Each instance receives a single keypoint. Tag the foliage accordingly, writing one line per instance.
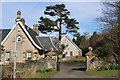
(101, 51)
(46, 25)
(84, 42)
(111, 30)
(60, 14)
(77, 40)
(94, 39)
(115, 67)
(102, 68)
(84, 51)
(102, 48)
(109, 67)
(44, 70)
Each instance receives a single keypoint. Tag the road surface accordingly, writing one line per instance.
(72, 70)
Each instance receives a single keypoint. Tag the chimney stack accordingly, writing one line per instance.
(35, 27)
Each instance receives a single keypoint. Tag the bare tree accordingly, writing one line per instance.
(111, 31)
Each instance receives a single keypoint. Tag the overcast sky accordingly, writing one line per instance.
(85, 12)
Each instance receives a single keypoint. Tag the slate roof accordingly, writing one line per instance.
(33, 34)
(47, 43)
(41, 41)
(3, 33)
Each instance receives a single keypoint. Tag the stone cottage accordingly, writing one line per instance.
(24, 43)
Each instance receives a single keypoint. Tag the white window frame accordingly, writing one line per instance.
(7, 56)
(19, 39)
(29, 55)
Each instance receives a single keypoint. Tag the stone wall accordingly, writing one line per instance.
(28, 66)
(97, 62)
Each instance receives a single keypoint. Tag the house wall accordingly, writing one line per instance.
(22, 47)
(70, 48)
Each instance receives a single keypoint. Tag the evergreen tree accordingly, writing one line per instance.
(61, 19)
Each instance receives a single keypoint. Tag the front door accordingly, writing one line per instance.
(78, 53)
(71, 53)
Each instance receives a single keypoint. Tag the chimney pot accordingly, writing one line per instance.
(18, 14)
(35, 27)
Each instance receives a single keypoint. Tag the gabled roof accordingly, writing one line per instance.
(29, 33)
(47, 43)
(71, 42)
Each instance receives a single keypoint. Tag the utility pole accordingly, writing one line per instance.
(14, 71)
(15, 53)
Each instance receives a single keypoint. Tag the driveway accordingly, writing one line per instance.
(72, 70)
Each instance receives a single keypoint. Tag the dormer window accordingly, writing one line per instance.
(19, 39)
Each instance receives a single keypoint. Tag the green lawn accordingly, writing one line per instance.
(46, 74)
(106, 73)
(82, 59)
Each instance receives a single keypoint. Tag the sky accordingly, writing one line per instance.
(85, 12)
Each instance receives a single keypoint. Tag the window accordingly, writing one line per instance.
(19, 39)
(7, 56)
(29, 55)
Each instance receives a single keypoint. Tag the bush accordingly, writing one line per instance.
(48, 70)
(109, 67)
(114, 67)
(44, 70)
(102, 68)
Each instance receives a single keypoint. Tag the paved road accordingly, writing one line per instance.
(72, 70)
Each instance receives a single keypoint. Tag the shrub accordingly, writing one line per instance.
(44, 70)
(48, 70)
(102, 68)
(114, 67)
(109, 67)
(40, 70)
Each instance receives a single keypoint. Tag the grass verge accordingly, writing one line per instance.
(106, 73)
(79, 59)
(46, 74)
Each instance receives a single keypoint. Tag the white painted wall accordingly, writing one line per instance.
(71, 47)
